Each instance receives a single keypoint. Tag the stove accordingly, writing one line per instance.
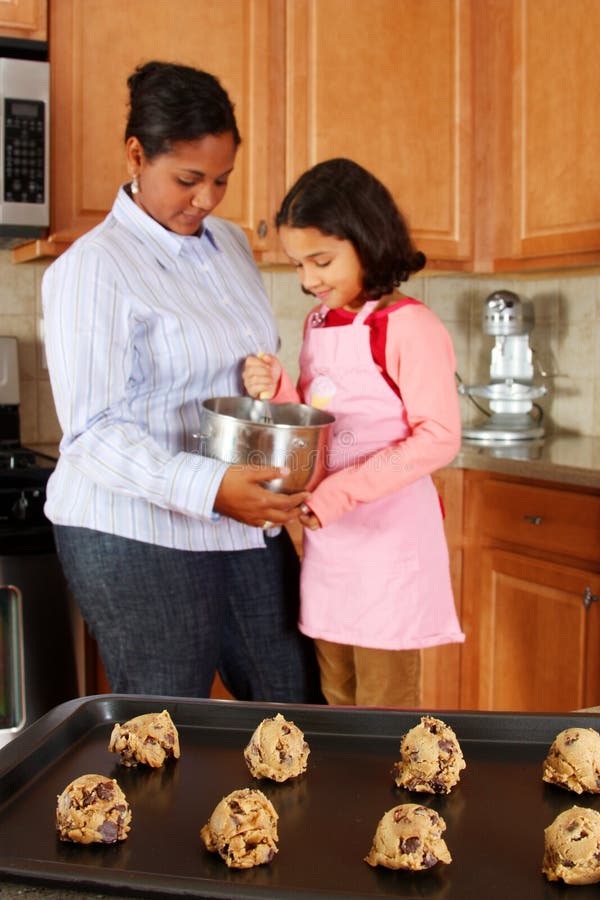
(23, 478)
(37, 650)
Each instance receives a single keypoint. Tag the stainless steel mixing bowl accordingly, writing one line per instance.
(234, 430)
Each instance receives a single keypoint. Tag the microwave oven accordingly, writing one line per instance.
(24, 150)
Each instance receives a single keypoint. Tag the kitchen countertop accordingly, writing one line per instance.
(561, 458)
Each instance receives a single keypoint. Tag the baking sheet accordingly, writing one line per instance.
(495, 816)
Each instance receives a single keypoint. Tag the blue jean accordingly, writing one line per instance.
(165, 620)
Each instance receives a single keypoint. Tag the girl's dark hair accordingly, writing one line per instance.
(170, 102)
(342, 199)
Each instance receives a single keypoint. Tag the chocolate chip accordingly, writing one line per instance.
(87, 797)
(446, 745)
(105, 790)
(400, 816)
(410, 845)
(109, 832)
(429, 860)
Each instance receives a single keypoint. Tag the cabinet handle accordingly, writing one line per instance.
(262, 229)
(589, 598)
(535, 520)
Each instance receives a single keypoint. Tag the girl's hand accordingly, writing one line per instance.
(261, 374)
(308, 518)
(241, 496)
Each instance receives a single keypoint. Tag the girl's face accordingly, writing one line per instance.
(180, 188)
(327, 266)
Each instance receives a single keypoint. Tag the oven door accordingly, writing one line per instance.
(12, 670)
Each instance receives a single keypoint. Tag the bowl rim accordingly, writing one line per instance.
(328, 417)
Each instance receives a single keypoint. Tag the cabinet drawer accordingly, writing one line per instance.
(563, 522)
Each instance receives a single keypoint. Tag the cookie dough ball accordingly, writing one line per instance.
(409, 837)
(430, 758)
(572, 847)
(92, 809)
(242, 829)
(277, 750)
(573, 761)
(149, 739)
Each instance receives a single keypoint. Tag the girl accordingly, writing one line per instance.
(375, 582)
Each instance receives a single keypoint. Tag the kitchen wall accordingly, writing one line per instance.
(566, 337)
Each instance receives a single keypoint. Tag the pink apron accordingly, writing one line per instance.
(379, 575)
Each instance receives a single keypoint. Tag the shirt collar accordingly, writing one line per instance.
(166, 245)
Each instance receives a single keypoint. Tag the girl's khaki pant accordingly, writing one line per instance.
(360, 676)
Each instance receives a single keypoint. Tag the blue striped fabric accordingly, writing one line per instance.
(141, 326)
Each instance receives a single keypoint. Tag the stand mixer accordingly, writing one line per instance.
(511, 392)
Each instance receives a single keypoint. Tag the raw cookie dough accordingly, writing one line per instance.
(409, 837)
(92, 809)
(149, 739)
(430, 758)
(573, 761)
(277, 750)
(242, 829)
(572, 847)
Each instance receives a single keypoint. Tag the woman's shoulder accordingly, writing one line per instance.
(228, 232)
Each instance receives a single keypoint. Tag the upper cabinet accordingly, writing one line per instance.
(481, 116)
(25, 19)
(96, 44)
(537, 133)
(389, 84)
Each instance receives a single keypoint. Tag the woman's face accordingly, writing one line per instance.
(328, 267)
(180, 188)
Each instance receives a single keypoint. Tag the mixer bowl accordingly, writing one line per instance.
(233, 430)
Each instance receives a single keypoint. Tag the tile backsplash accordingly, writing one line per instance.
(565, 338)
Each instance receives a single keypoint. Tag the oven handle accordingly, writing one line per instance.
(11, 614)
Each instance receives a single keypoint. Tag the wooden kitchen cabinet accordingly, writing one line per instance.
(531, 592)
(96, 44)
(389, 85)
(25, 19)
(537, 134)
(480, 115)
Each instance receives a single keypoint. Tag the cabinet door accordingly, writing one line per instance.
(389, 85)
(548, 193)
(533, 643)
(26, 19)
(96, 44)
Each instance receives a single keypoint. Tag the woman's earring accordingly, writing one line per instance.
(135, 188)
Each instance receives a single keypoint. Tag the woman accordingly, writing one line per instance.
(146, 316)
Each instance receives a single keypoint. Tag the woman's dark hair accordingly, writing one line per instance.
(342, 199)
(170, 102)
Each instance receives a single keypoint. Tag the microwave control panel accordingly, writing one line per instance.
(24, 153)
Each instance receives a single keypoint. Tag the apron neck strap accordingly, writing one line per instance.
(365, 310)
